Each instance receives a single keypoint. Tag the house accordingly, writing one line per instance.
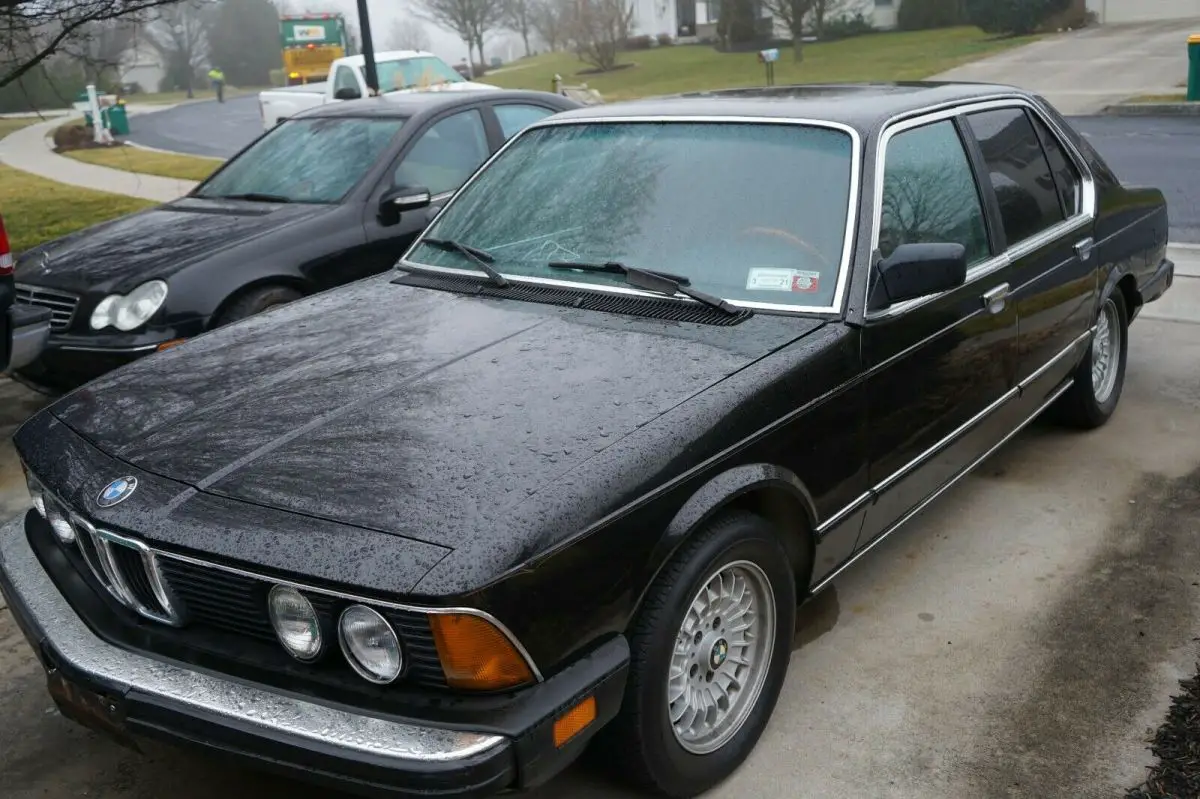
(698, 17)
(141, 64)
(1106, 11)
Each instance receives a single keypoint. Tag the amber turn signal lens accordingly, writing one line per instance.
(166, 345)
(475, 655)
(575, 721)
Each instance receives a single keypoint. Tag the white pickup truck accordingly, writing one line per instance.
(398, 71)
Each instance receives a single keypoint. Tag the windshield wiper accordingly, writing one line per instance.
(652, 280)
(481, 258)
(253, 196)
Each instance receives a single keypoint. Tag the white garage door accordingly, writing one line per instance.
(1146, 10)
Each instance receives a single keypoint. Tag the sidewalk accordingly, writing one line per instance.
(29, 150)
(1181, 303)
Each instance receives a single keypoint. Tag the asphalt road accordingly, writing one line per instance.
(203, 128)
(1153, 152)
(1017, 640)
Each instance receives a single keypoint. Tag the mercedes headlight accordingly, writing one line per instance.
(130, 311)
(37, 494)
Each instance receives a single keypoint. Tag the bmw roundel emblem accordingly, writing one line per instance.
(116, 491)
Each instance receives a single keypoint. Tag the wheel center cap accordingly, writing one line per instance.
(718, 654)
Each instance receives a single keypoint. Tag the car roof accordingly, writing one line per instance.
(863, 106)
(409, 104)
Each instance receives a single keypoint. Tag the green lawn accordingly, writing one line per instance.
(668, 70)
(148, 162)
(37, 210)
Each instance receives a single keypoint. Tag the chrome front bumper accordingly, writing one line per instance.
(32, 594)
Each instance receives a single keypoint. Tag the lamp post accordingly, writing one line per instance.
(368, 48)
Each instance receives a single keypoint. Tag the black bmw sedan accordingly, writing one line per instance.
(314, 203)
(656, 374)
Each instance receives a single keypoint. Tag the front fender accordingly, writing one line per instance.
(722, 490)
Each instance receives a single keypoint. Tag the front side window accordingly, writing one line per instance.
(1019, 172)
(929, 193)
(305, 160)
(445, 155)
(746, 211)
(420, 72)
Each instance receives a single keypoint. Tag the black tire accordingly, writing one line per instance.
(256, 301)
(1080, 407)
(642, 739)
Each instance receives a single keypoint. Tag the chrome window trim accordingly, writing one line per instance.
(848, 241)
(904, 123)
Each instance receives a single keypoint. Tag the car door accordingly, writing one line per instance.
(439, 157)
(1046, 220)
(940, 370)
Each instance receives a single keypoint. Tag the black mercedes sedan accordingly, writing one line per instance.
(659, 372)
(317, 202)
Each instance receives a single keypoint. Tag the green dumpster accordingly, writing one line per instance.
(117, 119)
(1193, 91)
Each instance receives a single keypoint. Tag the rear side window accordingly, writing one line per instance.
(1070, 184)
(1018, 171)
(929, 193)
(515, 117)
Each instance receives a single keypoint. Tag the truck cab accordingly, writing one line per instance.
(398, 71)
(24, 329)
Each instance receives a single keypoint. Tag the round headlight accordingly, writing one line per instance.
(295, 622)
(370, 644)
(63, 529)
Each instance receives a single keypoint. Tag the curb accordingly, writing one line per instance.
(148, 148)
(1153, 110)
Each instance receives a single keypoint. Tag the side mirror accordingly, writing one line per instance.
(405, 198)
(919, 270)
(347, 93)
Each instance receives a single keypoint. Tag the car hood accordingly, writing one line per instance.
(117, 256)
(415, 412)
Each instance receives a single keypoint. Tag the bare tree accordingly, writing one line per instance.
(180, 34)
(472, 20)
(101, 46)
(408, 34)
(518, 18)
(33, 30)
(549, 21)
(598, 28)
(792, 13)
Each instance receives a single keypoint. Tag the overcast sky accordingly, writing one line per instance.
(384, 12)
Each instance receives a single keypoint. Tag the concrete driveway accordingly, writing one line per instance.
(1084, 71)
(1016, 640)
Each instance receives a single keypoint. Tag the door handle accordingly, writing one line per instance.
(1084, 248)
(996, 299)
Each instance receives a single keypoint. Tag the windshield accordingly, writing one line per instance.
(414, 73)
(747, 211)
(306, 160)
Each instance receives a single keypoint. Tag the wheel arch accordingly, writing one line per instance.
(767, 490)
(1125, 283)
(288, 281)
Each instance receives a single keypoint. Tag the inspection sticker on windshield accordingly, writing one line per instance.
(783, 280)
